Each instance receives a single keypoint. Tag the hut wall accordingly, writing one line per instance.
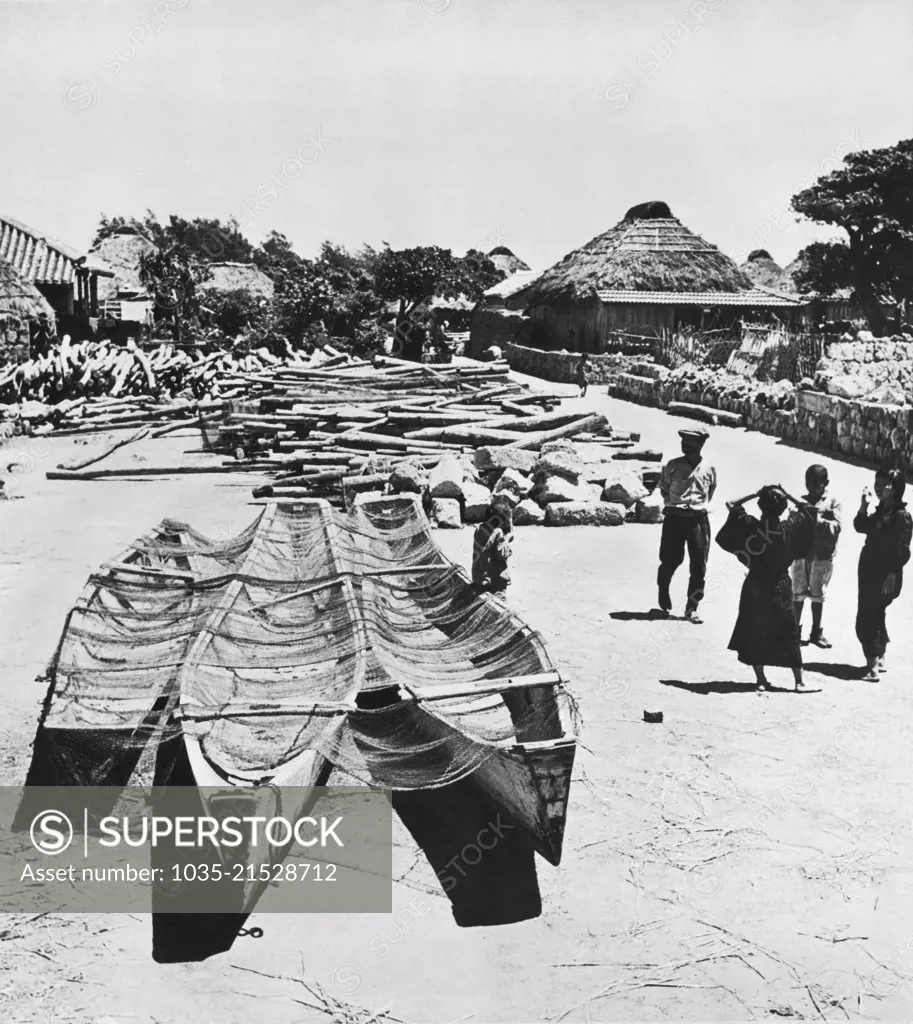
(594, 324)
(14, 339)
(496, 326)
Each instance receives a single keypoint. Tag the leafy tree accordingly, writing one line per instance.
(232, 313)
(172, 274)
(210, 240)
(825, 268)
(871, 199)
(412, 277)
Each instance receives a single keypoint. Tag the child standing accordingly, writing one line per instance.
(583, 375)
(812, 574)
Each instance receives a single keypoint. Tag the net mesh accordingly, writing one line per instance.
(313, 633)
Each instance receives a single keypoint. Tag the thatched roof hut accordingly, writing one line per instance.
(238, 277)
(647, 274)
(122, 252)
(648, 250)
(19, 297)
(506, 261)
(765, 272)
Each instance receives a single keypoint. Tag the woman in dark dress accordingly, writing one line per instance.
(886, 551)
(766, 631)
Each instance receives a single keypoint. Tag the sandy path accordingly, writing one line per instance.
(750, 855)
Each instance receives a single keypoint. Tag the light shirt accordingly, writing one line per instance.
(687, 488)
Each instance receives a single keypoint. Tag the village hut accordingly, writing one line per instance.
(506, 261)
(499, 317)
(238, 277)
(647, 275)
(765, 272)
(124, 296)
(21, 308)
(67, 278)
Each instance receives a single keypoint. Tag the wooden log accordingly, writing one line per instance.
(706, 414)
(73, 466)
(103, 474)
(640, 454)
(585, 423)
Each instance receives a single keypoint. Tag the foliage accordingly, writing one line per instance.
(871, 199)
(825, 268)
(172, 275)
(232, 313)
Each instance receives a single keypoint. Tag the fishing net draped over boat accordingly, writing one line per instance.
(312, 633)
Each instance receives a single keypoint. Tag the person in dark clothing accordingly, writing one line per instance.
(491, 548)
(583, 375)
(766, 631)
(888, 529)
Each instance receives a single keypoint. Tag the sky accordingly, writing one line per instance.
(462, 123)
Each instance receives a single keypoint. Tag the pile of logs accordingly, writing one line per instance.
(100, 368)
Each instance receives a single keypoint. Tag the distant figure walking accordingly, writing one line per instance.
(766, 631)
(583, 375)
(888, 529)
(812, 575)
(687, 485)
(491, 548)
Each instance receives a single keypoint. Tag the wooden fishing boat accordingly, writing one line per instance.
(314, 642)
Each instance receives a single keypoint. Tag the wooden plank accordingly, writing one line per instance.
(482, 686)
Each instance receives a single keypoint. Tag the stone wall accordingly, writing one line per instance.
(871, 431)
(876, 371)
(561, 367)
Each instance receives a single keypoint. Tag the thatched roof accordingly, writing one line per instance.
(238, 277)
(506, 261)
(765, 272)
(122, 253)
(649, 250)
(19, 297)
(510, 286)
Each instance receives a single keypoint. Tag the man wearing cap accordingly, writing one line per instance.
(687, 485)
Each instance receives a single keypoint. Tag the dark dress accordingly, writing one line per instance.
(766, 631)
(886, 550)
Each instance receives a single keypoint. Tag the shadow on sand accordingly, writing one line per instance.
(705, 688)
(824, 668)
(651, 616)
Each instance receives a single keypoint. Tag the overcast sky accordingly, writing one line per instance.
(536, 123)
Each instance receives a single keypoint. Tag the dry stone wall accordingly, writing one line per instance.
(561, 367)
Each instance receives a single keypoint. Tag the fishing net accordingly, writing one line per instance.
(312, 635)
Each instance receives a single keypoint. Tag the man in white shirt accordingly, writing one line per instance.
(687, 485)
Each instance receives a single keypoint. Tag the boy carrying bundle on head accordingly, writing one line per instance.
(811, 575)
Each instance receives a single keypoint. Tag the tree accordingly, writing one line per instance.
(172, 274)
(825, 268)
(871, 199)
(412, 277)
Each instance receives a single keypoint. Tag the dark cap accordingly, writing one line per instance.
(698, 434)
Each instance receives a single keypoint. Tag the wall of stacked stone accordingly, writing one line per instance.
(878, 370)
(874, 432)
(561, 367)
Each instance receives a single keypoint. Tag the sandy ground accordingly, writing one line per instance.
(751, 856)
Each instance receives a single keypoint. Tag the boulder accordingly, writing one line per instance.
(446, 513)
(446, 479)
(559, 488)
(561, 463)
(514, 484)
(487, 459)
(408, 477)
(847, 386)
(624, 485)
(528, 513)
(584, 513)
(650, 509)
(476, 502)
